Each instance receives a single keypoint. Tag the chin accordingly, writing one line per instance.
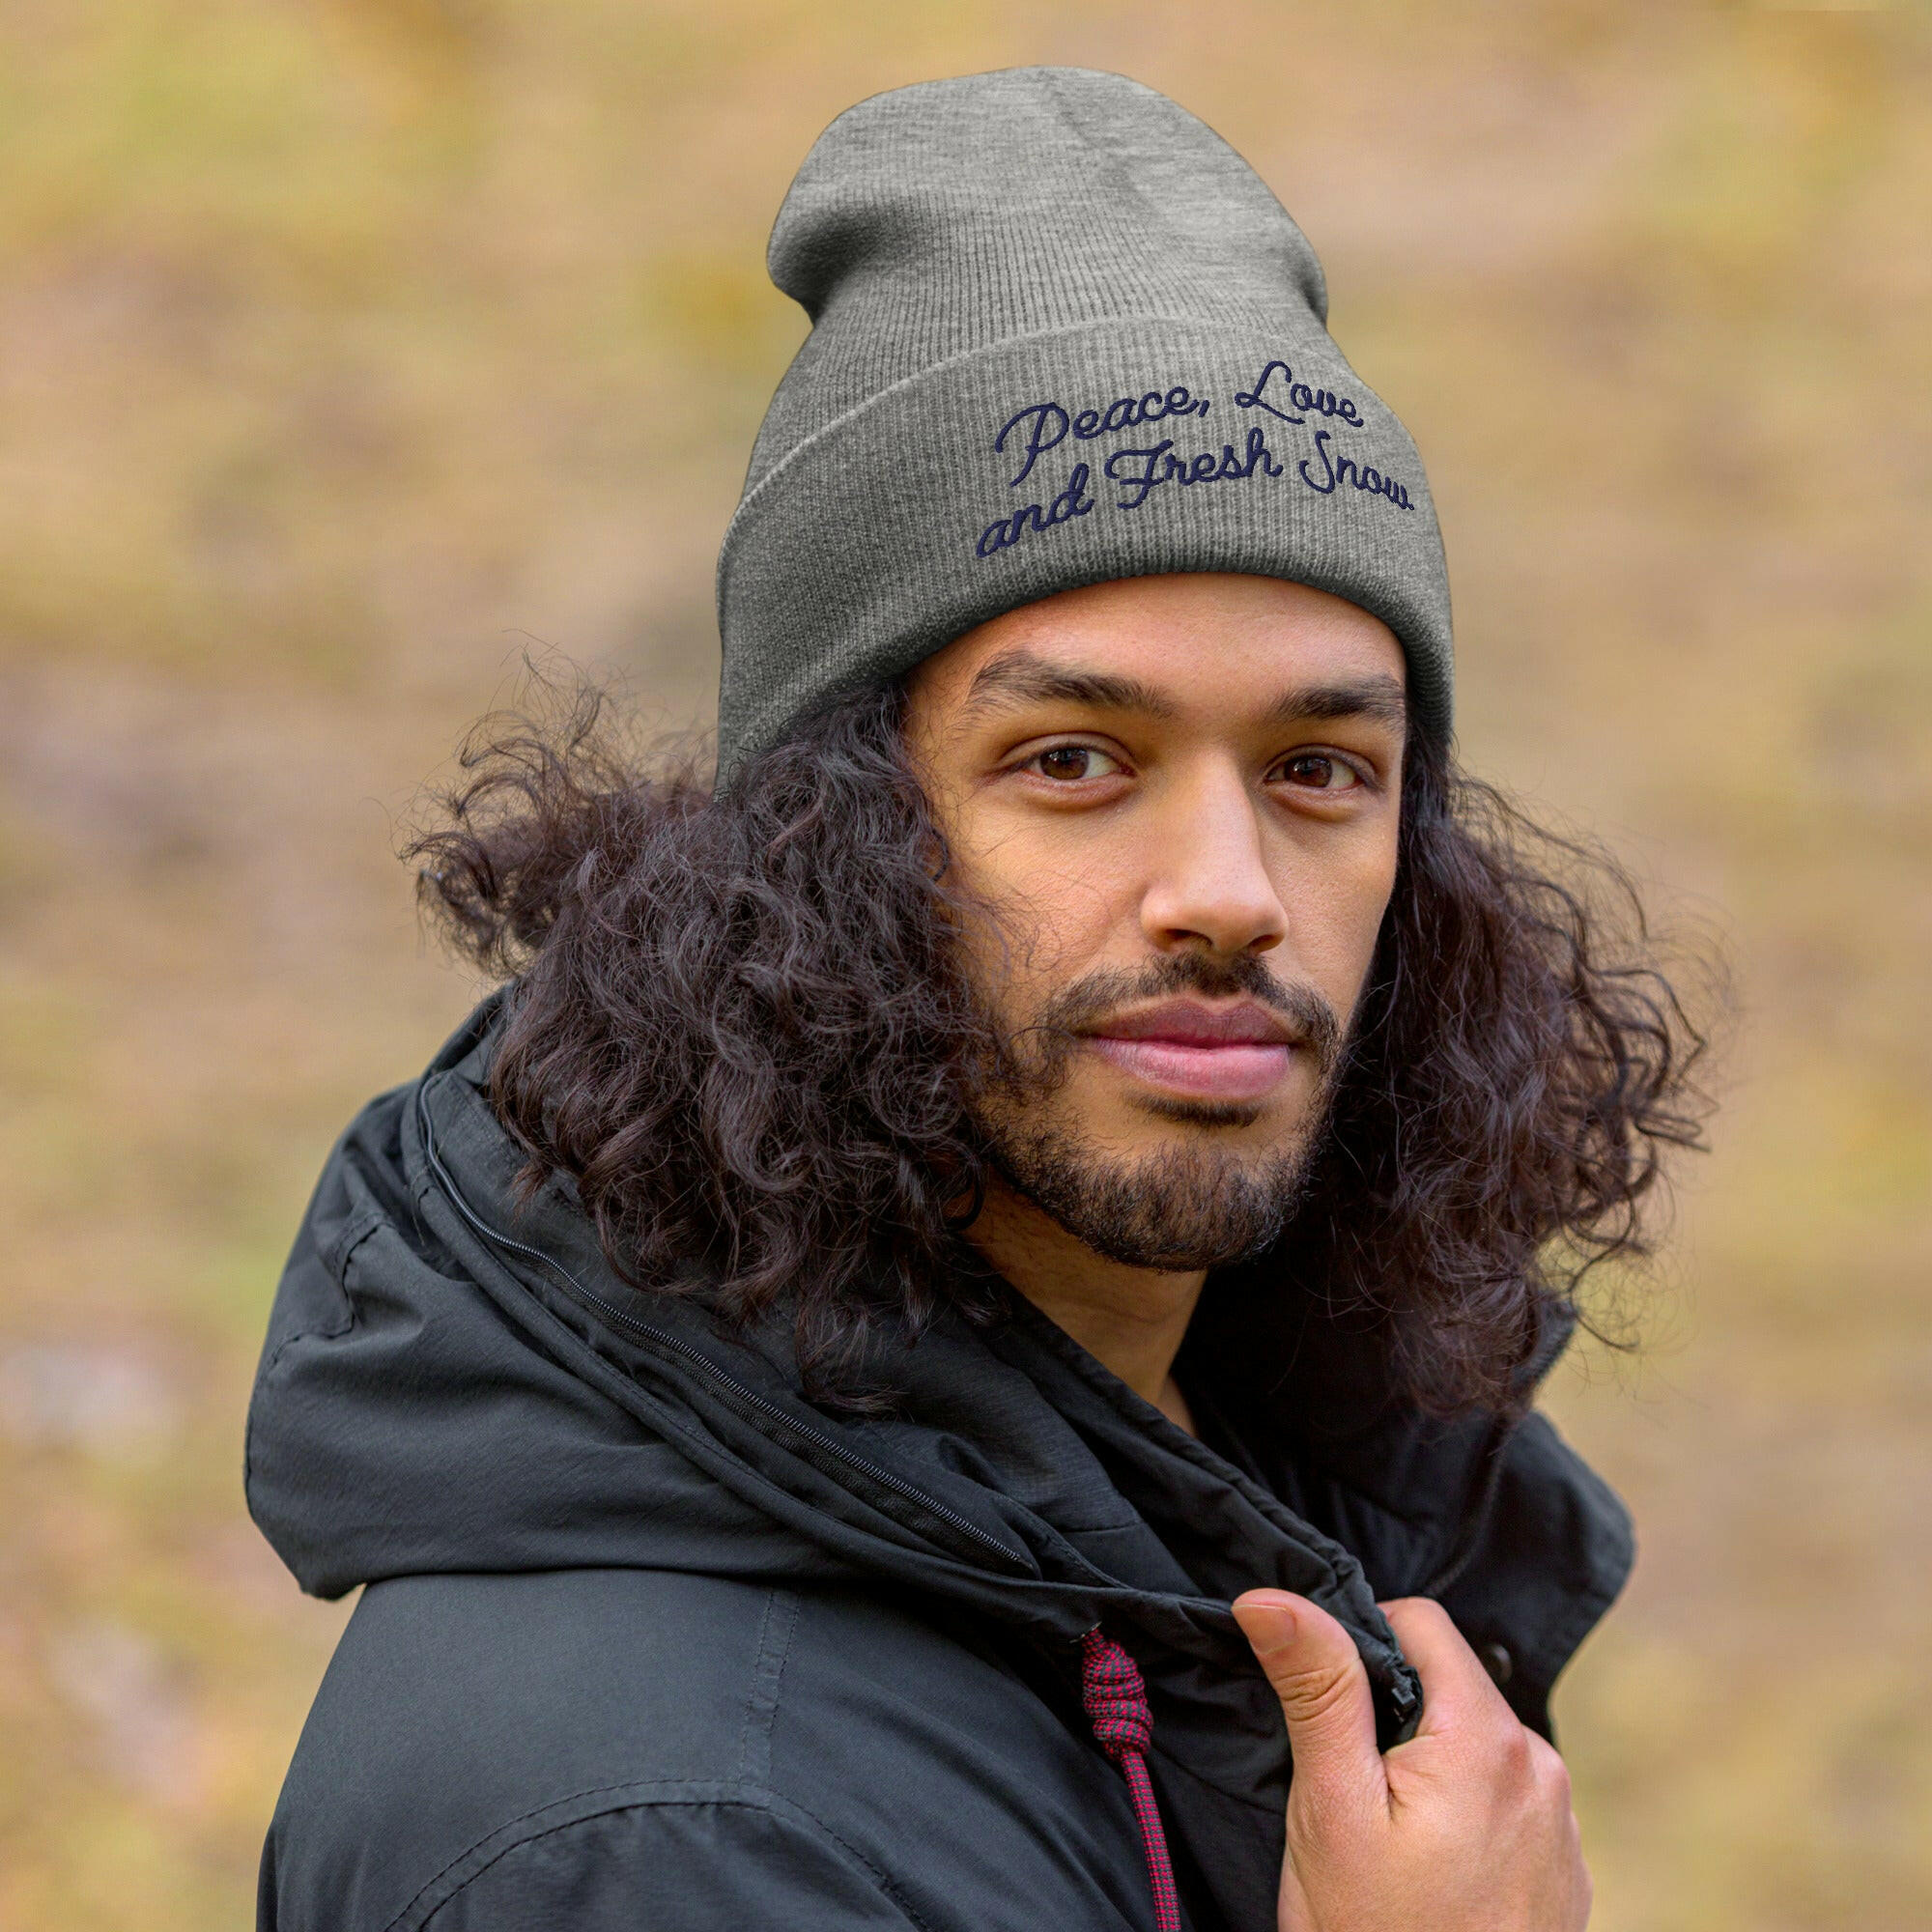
(1180, 1198)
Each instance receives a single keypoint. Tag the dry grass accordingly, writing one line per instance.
(347, 346)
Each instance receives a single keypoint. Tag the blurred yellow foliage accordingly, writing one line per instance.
(349, 347)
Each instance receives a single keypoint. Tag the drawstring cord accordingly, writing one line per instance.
(1117, 1707)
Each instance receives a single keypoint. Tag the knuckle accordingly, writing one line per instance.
(1547, 1767)
(1415, 1611)
(1310, 1695)
(1514, 1756)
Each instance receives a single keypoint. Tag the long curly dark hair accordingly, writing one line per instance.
(739, 1027)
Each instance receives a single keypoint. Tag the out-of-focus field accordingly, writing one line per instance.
(348, 349)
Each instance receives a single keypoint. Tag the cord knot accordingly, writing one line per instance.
(1114, 1696)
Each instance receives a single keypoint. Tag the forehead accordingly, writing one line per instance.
(1200, 641)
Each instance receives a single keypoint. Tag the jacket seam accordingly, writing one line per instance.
(335, 1259)
(430, 1884)
(761, 1704)
(335, 1263)
(354, 1232)
(735, 1795)
(778, 1806)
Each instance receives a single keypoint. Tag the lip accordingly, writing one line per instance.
(1220, 1052)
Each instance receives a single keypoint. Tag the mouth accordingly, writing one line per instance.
(1241, 1052)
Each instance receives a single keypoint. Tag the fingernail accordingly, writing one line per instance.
(1273, 1610)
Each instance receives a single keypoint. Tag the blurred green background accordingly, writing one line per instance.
(351, 348)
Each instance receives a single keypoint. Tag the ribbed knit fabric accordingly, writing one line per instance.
(1062, 333)
(1116, 1708)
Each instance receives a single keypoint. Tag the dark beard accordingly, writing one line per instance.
(1189, 1207)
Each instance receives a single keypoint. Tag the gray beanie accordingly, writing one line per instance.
(1062, 333)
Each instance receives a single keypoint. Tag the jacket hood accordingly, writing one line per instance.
(453, 1383)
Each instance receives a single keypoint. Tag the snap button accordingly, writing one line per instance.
(1497, 1662)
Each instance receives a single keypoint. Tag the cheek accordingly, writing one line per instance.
(1335, 917)
(1055, 913)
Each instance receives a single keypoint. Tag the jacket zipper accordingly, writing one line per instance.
(664, 1339)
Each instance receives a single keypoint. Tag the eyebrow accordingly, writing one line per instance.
(1380, 696)
(1019, 678)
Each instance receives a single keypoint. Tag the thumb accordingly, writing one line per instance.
(1312, 1663)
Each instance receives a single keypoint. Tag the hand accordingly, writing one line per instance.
(1467, 1827)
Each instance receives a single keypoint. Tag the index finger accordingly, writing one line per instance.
(1456, 1689)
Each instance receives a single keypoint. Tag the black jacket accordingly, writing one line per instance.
(648, 1640)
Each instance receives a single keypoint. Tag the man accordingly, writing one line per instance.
(880, 1379)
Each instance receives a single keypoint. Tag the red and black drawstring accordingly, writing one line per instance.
(1117, 1707)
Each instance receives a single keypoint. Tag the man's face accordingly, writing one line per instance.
(1178, 796)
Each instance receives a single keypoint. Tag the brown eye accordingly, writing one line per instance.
(1069, 763)
(1315, 771)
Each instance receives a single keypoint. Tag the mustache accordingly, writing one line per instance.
(1075, 1008)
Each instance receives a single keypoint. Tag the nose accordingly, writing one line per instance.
(1207, 881)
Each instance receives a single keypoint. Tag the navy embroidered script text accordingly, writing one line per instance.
(1345, 469)
(1297, 396)
(1040, 427)
(1048, 423)
(1159, 465)
(1072, 502)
